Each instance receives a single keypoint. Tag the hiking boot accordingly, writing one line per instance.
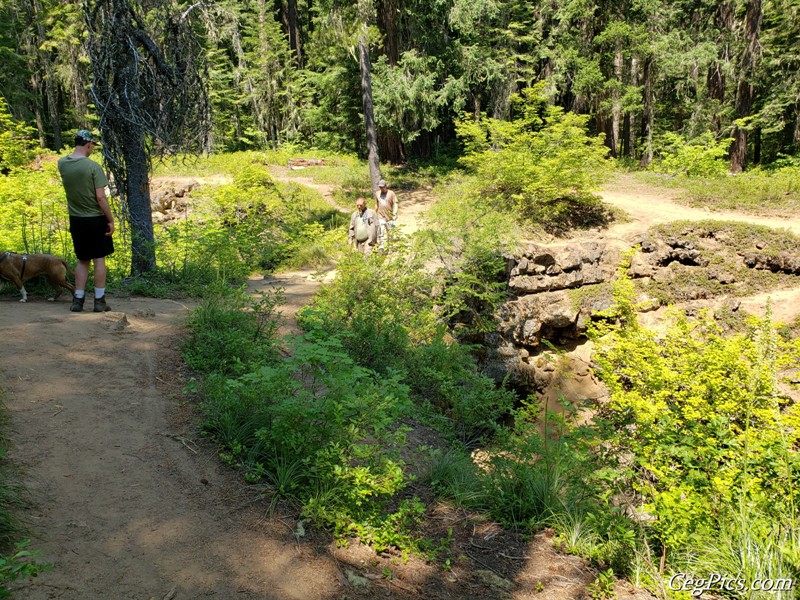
(100, 305)
(77, 304)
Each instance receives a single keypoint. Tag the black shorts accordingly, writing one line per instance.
(89, 237)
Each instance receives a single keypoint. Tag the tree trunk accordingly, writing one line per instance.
(369, 117)
(391, 149)
(294, 31)
(137, 191)
(388, 10)
(616, 113)
(744, 89)
(48, 80)
(715, 80)
(648, 113)
(628, 129)
(757, 146)
(37, 109)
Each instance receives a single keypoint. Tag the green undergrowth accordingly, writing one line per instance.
(701, 436)
(690, 467)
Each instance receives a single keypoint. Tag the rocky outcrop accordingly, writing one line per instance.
(656, 254)
(543, 269)
(545, 309)
(782, 263)
(169, 199)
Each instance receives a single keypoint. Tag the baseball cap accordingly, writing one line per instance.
(382, 183)
(87, 136)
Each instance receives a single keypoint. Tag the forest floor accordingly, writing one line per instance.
(131, 503)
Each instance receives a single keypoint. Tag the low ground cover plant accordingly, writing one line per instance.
(17, 560)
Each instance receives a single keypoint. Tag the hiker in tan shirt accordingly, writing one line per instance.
(363, 232)
(386, 207)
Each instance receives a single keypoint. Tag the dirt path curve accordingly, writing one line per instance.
(647, 206)
(128, 506)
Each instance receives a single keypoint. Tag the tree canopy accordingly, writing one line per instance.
(288, 70)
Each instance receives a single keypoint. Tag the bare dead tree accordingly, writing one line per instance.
(365, 10)
(149, 90)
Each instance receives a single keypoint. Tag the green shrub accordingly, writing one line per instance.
(17, 145)
(378, 307)
(533, 478)
(467, 242)
(696, 423)
(704, 156)
(324, 431)
(232, 334)
(542, 165)
(445, 375)
(33, 212)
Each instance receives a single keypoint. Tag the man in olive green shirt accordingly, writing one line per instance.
(90, 220)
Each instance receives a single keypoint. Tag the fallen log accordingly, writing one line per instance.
(301, 163)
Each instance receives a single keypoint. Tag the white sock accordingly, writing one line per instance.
(79, 294)
(99, 292)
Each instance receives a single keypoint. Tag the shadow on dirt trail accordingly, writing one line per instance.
(130, 504)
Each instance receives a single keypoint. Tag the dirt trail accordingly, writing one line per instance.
(647, 206)
(128, 506)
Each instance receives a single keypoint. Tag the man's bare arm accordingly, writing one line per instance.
(102, 202)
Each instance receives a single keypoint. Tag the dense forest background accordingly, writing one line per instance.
(281, 71)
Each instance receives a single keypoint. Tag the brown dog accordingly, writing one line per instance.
(19, 268)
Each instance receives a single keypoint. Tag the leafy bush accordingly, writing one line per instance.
(704, 156)
(542, 165)
(33, 213)
(377, 307)
(233, 333)
(446, 376)
(17, 145)
(696, 424)
(467, 242)
(321, 430)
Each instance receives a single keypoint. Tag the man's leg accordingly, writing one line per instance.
(100, 273)
(381, 233)
(81, 277)
(100, 285)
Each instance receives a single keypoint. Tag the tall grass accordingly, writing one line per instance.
(758, 192)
